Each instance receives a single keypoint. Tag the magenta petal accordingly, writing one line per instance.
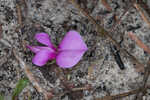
(36, 49)
(44, 39)
(43, 56)
(33, 48)
(67, 59)
(72, 41)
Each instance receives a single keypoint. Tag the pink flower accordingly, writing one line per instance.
(68, 53)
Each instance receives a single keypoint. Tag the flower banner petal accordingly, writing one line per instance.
(72, 41)
(67, 59)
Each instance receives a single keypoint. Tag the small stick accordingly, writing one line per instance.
(1, 30)
(104, 2)
(114, 97)
(31, 77)
(145, 79)
(91, 70)
(87, 87)
(25, 7)
(119, 20)
(142, 13)
(19, 15)
(139, 42)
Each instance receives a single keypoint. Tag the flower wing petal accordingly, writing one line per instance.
(67, 59)
(72, 41)
(36, 49)
(44, 39)
(43, 56)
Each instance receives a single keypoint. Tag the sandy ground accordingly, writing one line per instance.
(56, 17)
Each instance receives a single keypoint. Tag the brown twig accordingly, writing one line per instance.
(60, 74)
(104, 2)
(31, 77)
(144, 6)
(69, 87)
(143, 14)
(21, 10)
(114, 97)
(87, 87)
(145, 79)
(1, 30)
(139, 42)
(119, 20)
(90, 72)
(102, 31)
(25, 7)
(19, 15)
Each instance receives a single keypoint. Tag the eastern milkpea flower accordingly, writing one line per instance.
(68, 53)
